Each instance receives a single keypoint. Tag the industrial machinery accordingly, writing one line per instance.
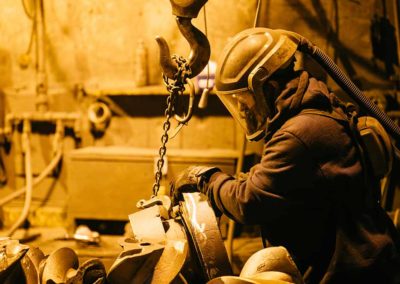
(172, 244)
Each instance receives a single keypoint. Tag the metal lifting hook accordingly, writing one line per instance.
(199, 54)
(186, 10)
(178, 69)
(181, 71)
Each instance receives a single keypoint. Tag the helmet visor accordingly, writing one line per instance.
(249, 111)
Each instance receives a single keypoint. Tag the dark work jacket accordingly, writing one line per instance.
(309, 194)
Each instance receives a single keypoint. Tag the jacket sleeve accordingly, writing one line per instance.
(272, 188)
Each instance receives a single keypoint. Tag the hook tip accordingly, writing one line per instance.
(168, 67)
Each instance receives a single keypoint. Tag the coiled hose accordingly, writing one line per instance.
(349, 87)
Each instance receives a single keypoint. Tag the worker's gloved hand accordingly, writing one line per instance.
(194, 178)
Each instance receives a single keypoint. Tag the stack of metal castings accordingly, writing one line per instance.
(23, 264)
(183, 244)
(167, 245)
(178, 245)
(171, 245)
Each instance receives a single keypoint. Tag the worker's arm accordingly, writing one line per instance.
(279, 182)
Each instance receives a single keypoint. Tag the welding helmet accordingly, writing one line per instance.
(246, 63)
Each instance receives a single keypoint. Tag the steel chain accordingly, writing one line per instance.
(175, 87)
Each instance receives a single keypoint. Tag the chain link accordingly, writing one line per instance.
(175, 87)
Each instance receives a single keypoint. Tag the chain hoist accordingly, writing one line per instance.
(175, 88)
(177, 71)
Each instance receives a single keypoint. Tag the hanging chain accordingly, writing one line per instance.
(175, 87)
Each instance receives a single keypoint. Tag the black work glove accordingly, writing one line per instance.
(192, 179)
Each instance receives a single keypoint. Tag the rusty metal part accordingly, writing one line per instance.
(12, 273)
(188, 115)
(275, 263)
(144, 259)
(174, 255)
(147, 224)
(54, 269)
(31, 265)
(11, 254)
(136, 264)
(91, 271)
(99, 115)
(261, 278)
(84, 235)
(199, 50)
(202, 226)
(163, 200)
(149, 230)
(187, 8)
(143, 203)
(153, 235)
(269, 265)
(237, 280)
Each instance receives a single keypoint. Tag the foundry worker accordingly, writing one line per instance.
(309, 193)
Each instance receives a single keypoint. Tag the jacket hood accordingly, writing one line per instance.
(301, 92)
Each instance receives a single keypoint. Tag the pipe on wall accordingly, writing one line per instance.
(28, 177)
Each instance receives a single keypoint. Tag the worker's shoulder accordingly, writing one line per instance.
(306, 121)
(309, 126)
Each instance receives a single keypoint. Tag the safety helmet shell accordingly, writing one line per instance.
(250, 50)
(248, 60)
